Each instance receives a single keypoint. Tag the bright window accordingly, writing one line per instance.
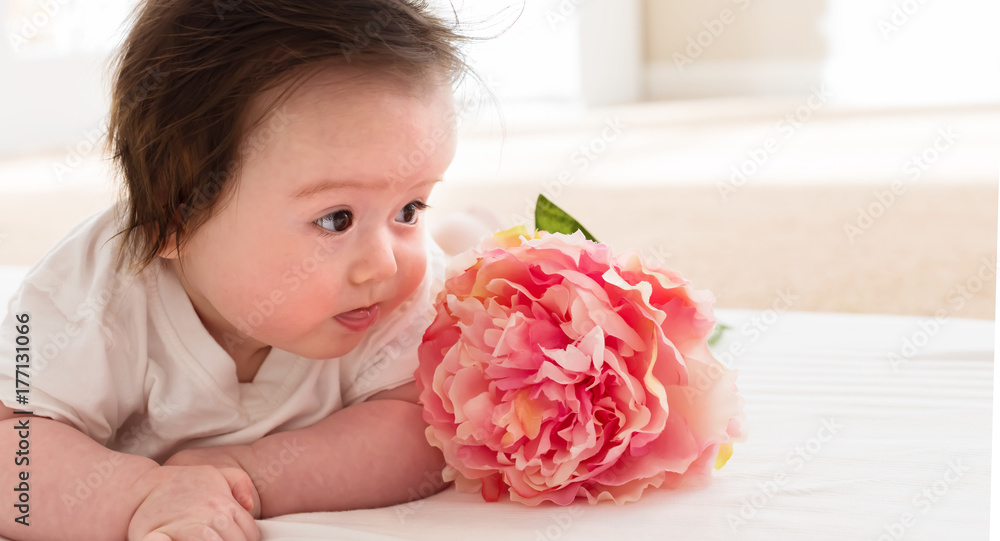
(45, 28)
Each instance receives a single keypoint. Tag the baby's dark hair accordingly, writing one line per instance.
(186, 75)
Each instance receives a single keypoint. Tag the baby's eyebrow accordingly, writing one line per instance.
(329, 184)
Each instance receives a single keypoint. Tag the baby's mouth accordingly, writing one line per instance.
(359, 319)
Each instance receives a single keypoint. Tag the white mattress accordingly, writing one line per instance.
(886, 450)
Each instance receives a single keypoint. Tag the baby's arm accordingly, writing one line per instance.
(61, 504)
(371, 454)
(65, 500)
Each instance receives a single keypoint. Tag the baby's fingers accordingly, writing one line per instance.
(248, 526)
(240, 527)
(231, 524)
(234, 524)
(242, 489)
(219, 530)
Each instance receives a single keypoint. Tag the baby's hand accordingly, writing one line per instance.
(194, 503)
(229, 456)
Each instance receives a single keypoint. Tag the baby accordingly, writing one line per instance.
(236, 338)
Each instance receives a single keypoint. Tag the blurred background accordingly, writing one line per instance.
(827, 155)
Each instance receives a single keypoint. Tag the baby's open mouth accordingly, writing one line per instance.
(359, 319)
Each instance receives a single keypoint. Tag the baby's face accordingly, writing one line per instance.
(325, 233)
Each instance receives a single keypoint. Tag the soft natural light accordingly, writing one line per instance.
(912, 53)
(64, 27)
(814, 183)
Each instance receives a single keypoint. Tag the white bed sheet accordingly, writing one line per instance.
(844, 444)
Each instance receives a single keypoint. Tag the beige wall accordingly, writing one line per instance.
(760, 29)
(868, 53)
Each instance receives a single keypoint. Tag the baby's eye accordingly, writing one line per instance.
(337, 221)
(409, 213)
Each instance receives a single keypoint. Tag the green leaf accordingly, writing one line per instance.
(549, 217)
(717, 333)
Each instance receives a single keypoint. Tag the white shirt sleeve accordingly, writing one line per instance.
(388, 358)
(84, 367)
(70, 375)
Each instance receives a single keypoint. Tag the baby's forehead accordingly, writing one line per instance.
(348, 90)
(318, 86)
(340, 124)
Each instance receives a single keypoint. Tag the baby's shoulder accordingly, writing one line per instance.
(78, 276)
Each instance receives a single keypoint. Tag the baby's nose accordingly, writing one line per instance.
(375, 263)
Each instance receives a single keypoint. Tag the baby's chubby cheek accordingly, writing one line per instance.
(411, 273)
(274, 274)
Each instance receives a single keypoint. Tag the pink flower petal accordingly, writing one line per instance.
(554, 371)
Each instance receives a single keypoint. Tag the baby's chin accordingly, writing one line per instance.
(337, 345)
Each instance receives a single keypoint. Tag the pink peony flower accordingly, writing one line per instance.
(555, 371)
